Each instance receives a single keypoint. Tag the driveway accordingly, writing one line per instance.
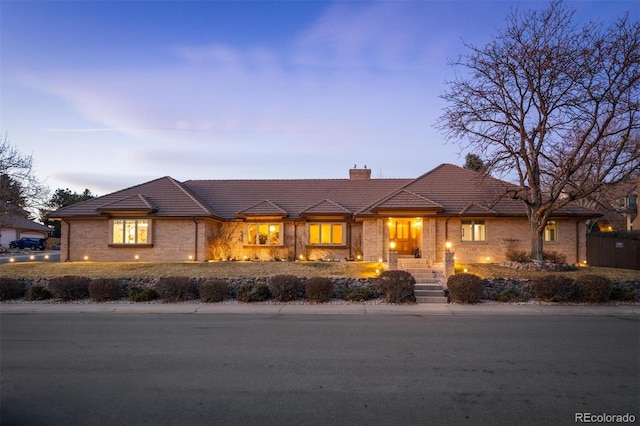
(271, 369)
(30, 256)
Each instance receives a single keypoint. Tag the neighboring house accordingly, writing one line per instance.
(618, 207)
(13, 226)
(357, 218)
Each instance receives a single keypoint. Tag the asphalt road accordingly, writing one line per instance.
(137, 369)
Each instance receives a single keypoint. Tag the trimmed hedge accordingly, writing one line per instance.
(38, 292)
(285, 288)
(253, 292)
(464, 288)
(212, 291)
(319, 289)
(360, 294)
(69, 287)
(177, 289)
(11, 288)
(594, 289)
(396, 286)
(554, 288)
(103, 289)
(141, 294)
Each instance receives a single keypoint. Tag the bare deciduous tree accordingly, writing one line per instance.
(20, 190)
(552, 106)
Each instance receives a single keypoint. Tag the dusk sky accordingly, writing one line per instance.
(110, 94)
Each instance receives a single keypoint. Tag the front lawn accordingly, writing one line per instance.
(190, 269)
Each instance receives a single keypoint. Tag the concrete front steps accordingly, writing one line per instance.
(428, 278)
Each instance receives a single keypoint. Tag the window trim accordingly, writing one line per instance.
(148, 243)
(331, 225)
(473, 223)
(280, 242)
(555, 231)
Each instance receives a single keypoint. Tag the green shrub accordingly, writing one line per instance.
(102, 289)
(253, 292)
(360, 294)
(464, 288)
(396, 286)
(554, 288)
(284, 288)
(212, 291)
(517, 256)
(510, 295)
(319, 289)
(141, 294)
(623, 292)
(177, 289)
(11, 288)
(69, 287)
(38, 292)
(594, 289)
(554, 257)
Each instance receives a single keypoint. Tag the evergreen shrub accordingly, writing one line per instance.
(212, 291)
(464, 288)
(11, 288)
(69, 287)
(319, 289)
(103, 289)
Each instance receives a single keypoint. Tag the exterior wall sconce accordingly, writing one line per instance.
(392, 245)
(86, 258)
(190, 257)
(447, 246)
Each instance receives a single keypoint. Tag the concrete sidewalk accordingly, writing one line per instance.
(320, 309)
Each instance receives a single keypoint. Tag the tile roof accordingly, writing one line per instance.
(16, 221)
(445, 190)
(263, 208)
(137, 202)
(327, 208)
(165, 195)
(407, 200)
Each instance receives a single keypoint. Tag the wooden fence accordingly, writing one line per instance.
(614, 250)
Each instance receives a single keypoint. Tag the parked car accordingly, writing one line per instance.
(27, 242)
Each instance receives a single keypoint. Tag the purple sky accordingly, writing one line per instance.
(109, 94)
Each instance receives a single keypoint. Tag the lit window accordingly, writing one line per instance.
(263, 234)
(473, 230)
(550, 231)
(130, 231)
(326, 234)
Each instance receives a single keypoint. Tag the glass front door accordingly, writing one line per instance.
(404, 233)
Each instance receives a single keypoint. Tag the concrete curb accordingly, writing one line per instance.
(344, 309)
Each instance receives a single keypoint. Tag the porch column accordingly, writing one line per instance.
(448, 264)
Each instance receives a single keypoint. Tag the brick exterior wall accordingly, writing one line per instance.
(174, 240)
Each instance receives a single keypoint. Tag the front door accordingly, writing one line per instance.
(404, 235)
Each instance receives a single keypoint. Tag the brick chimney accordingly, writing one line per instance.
(359, 174)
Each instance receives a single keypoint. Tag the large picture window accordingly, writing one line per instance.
(130, 231)
(473, 230)
(326, 234)
(551, 231)
(264, 234)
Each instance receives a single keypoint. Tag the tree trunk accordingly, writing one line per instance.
(537, 233)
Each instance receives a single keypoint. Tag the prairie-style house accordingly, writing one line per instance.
(356, 218)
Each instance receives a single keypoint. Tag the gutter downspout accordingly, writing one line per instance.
(195, 255)
(68, 245)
